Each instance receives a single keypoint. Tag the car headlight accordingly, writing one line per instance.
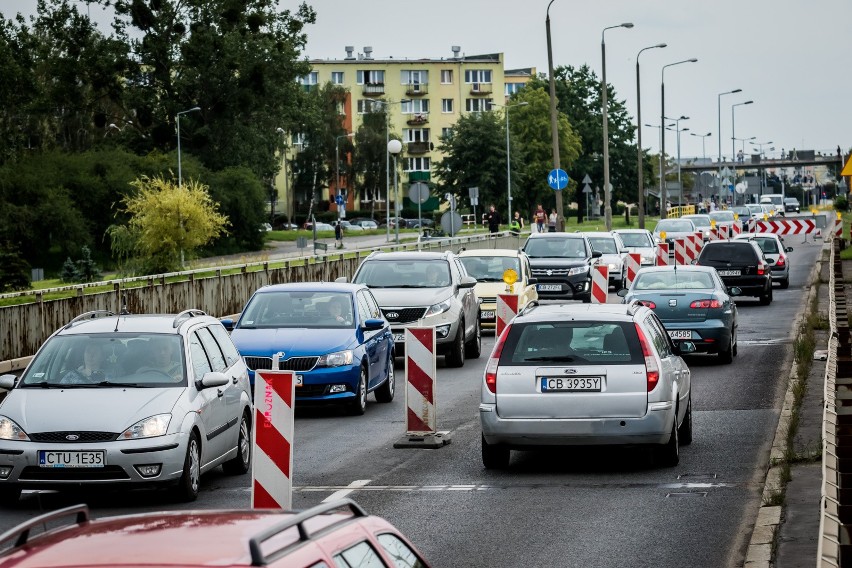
(336, 359)
(648, 258)
(148, 428)
(11, 431)
(436, 309)
(613, 266)
(578, 270)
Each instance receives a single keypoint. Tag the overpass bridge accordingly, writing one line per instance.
(799, 159)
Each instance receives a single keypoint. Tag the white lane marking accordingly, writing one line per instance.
(341, 493)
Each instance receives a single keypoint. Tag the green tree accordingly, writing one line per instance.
(369, 162)
(14, 270)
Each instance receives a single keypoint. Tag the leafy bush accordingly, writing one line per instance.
(841, 203)
(14, 271)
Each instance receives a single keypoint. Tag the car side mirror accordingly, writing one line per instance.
(342, 279)
(228, 324)
(788, 249)
(622, 293)
(734, 291)
(467, 282)
(683, 347)
(373, 324)
(531, 281)
(212, 379)
(597, 254)
(7, 382)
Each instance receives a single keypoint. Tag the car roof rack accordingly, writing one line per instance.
(22, 532)
(187, 314)
(298, 521)
(94, 314)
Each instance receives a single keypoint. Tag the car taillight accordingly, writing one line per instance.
(761, 269)
(491, 367)
(705, 304)
(782, 260)
(648, 304)
(651, 369)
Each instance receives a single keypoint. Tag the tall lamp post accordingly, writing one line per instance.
(733, 130)
(386, 106)
(394, 148)
(703, 138)
(337, 164)
(663, 133)
(177, 120)
(554, 126)
(719, 130)
(607, 191)
(509, 155)
(659, 137)
(641, 188)
(678, 130)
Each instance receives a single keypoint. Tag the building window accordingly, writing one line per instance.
(446, 105)
(370, 77)
(311, 78)
(478, 105)
(298, 140)
(415, 134)
(415, 106)
(477, 76)
(512, 88)
(337, 77)
(366, 105)
(446, 133)
(416, 164)
(446, 76)
(414, 77)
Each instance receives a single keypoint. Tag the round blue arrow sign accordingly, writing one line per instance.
(557, 179)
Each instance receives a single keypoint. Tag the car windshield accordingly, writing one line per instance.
(742, 211)
(700, 220)
(722, 216)
(604, 245)
(490, 268)
(791, 201)
(767, 244)
(755, 208)
(404, 274)
(573, 342)
(636, 239)
(108, 360)
(675, 226)
(298, 308)
(673, 280)
(571, 247)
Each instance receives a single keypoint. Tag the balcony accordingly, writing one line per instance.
(418, 147)
(418, 119)
(416, 89)
(373, 89)
(481, 88)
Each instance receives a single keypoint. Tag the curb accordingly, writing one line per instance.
(762, 542)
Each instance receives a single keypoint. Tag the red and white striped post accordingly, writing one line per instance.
(690, 253)
(723, 233)
(838, 227)
(507, 308)
(420, 374)
(632, 263)
(697, 242)
(679, 252)
(272, 438)
(713, 235)
(600, 283)
(662, 256)
(736, 228)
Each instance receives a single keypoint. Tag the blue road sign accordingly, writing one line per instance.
(339, 199)
(557, 179)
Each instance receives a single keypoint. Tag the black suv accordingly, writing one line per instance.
(740, 264)
(561, 263)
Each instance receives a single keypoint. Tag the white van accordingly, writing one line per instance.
(776, 200)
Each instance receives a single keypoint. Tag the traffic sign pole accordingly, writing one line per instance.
(557, 179)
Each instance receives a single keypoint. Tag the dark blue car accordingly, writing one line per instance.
(332, 335)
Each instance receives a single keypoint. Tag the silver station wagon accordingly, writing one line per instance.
(126, 401)
(573, 374)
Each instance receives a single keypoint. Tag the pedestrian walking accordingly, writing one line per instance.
(338, 235)
(517, 224)
(493, 219)
(551, 222)
(540, 217)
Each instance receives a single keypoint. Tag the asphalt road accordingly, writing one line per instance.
(589, 507)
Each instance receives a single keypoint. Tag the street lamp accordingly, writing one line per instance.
(678, 129)
(743, 141)
(177, 120)
(703, 137)
(760, 146)
(719, 131)
(337, 165)
(663, 133)
(607, 191)
(387, 163)
(509, 155)
(554, 128)
(660, 128)
(639, 137)
(733, 131)
(394, 148)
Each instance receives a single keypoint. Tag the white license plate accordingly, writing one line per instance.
(489, 315)
(58, 458)
(398, 337)
(729, 272)
(570, 384)
(680, 334)
(549, 287)
(299, 380)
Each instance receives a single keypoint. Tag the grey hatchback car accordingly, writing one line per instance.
(127, 401)
(567, 375)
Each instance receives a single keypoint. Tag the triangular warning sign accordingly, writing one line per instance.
(847, 169)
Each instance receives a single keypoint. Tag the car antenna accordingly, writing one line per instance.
(122, 312)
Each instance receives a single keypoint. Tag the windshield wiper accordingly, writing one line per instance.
(44, 385)
(114, 384)
(489, 279)
(560, 358)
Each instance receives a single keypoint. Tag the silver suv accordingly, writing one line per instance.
(574, 374)
(426, 289)
(127, 401)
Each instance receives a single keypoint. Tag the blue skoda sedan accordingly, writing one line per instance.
(332, 335)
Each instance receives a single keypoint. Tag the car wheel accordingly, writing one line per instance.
(387, 389)
(735, 344)
(187, 488)
(668, 454)
(9, 496)
(766, 297)
(455, 357)
(685, 432)
(785, 283)
(587, 299)
(473, 349)
(495, 457)
(242, 462)
(727, 356)
(358, 405)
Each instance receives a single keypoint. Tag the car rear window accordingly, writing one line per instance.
(675, 226)
(636, 240)
(604, 245)
(726, 252)
(556, 247)
(575, 342)
(404, 274)
(673, 280)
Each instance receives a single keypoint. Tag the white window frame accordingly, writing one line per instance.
(414, 77)
(415, 135)
(446, 76)
(418, 164)
(477, 76)
(311, 78)
(472, 105)
(415, 106)
(366, 106)
(337, 75)
(376, 76)
(448, 106)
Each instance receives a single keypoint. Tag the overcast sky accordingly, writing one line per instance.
(793, 58)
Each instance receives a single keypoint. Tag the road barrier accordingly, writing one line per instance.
(420, 373)
(698, 242)
(679, 252)
(736, 228)
(600, 283)
(507, 308)
(632, 264)
(786, 226)
(272, 438)
(723, 233)
(662, 256)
